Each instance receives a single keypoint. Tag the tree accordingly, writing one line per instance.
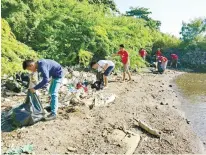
(107, 3)
(194, 29)
(141, 12)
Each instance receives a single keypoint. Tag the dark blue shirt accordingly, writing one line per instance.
(48, 68)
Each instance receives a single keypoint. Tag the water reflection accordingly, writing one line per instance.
(193, 86)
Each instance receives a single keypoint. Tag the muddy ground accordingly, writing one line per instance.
(149, 97)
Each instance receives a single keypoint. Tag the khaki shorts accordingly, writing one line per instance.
(125, 67)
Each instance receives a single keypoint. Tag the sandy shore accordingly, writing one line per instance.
(150, 97)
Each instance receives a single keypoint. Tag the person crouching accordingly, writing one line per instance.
(162, 64)
(105, 66)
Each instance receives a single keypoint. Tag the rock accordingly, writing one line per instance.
(129, 138)
(104, 99)
(174, 107)
(7, 100)
(76, 73)
(161, 103)
(170, 85)
(71, 149)
(153, 96)
(188, 121)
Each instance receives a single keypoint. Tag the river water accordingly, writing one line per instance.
(193, 88)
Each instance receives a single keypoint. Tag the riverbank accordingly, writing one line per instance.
(149, 97)
(192, 92)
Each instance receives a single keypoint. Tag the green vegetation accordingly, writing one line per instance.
(13, 52)
(72, 31)
(194, 34)
(143, 13)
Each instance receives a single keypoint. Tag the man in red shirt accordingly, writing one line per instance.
(174, 59)
(158, 53)
(143, 53)
(125, 60)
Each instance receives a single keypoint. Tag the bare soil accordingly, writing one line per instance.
(149, 97)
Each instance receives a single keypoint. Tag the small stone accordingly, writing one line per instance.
(188, 121)
(156, 107)
(45, 148)
(71, 149)
(174, 107)
(161, 103)
(166, 104)
(204, 143)
(170, 85)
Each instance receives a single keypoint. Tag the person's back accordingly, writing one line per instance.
(102, 63)
(55, 69)
(174, 59)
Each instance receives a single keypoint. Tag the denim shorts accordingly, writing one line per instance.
(108, 70)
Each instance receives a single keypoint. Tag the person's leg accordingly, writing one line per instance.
(105, 81)
(124, 71)
(54, 95)
(164, 66)
(128, 72)
(107, 73)
(175, 63)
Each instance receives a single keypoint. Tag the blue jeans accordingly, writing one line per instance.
(53, 91)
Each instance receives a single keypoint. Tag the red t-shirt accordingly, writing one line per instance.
(161, 58)
(124, 56)
(143, 53)
(158, 53)
(174, 56)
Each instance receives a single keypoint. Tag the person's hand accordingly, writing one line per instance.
(32, 90)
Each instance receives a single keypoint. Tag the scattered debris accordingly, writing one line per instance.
(25, 149)
(71, 149)
(161, 103)
(130, 139)
(148, 128)
(188, 121)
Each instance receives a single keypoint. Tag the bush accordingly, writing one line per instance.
(85, 57)
(13, 52)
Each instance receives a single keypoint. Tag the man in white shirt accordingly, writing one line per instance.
(105, 66)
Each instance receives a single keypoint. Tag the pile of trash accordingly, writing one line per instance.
(77, 88)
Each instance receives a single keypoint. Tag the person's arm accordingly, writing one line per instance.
(45, 80)
(115, 54)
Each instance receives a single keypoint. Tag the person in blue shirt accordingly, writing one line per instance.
(48, 69)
